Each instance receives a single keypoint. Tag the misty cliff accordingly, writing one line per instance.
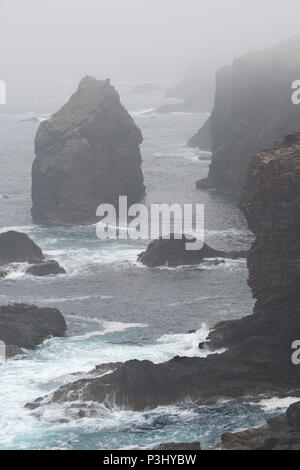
(253, 108)
(258, 355)
(86, 154)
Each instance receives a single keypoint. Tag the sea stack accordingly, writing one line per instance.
(253, 108)
(86, 154)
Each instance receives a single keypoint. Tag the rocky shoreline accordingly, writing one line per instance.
(258, 352)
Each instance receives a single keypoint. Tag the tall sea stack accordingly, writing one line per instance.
(86, 154)
(253, 108)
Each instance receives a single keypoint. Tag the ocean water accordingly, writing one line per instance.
(117, 309)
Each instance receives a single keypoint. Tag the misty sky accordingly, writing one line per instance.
(58, 41)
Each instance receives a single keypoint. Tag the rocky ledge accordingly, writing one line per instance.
(27, 326)
(173, 252)
(86, 154)
(258, 352)
(16, 247)
(253, 108)
(280, 433)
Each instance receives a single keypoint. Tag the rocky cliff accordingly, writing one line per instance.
(86, 154)
(258, 356)
(253, 107)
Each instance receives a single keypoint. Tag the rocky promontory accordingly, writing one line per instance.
(86, 154)
(27, 326)
(258, 355)
(253, 108)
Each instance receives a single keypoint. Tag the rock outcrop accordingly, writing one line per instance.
(16, 247)
(258, 359)
(86, 154)
(27, 326)
(280, 433)
(253, 108)
(46, 268)
(173, 252)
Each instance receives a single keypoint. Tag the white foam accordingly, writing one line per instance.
(276, 403)
(109, 327)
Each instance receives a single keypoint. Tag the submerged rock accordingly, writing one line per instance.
(16, 247)
(46, 268)
(253, 108)
(26, 326)
(86, 154)
(173, 252)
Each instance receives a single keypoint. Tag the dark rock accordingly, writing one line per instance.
(179, 446)
(202, 345)
(18, 247)
(293, 416)
(86, 154)
(163, 252)
(46, 268)
(27, 326)
(253, 107)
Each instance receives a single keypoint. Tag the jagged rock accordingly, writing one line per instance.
(86, 154)
(26, 326)
(19, 248)
(253, 108)
(293, 416)
(258, 359)
(46, 268)
(277, 434)
(173, 253)
(179, 446)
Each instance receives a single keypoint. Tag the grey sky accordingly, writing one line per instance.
(58, 41)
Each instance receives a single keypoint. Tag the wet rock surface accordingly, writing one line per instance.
(16, 247)
(27, 326)
(46, 268)
(278, 434)
(174, 252)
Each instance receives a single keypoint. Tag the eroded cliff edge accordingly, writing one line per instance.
(253, 108)
(258, 355)
(86, 154)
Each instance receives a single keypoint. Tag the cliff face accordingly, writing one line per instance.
(86, 154)
(253, 108)
(258, 359)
